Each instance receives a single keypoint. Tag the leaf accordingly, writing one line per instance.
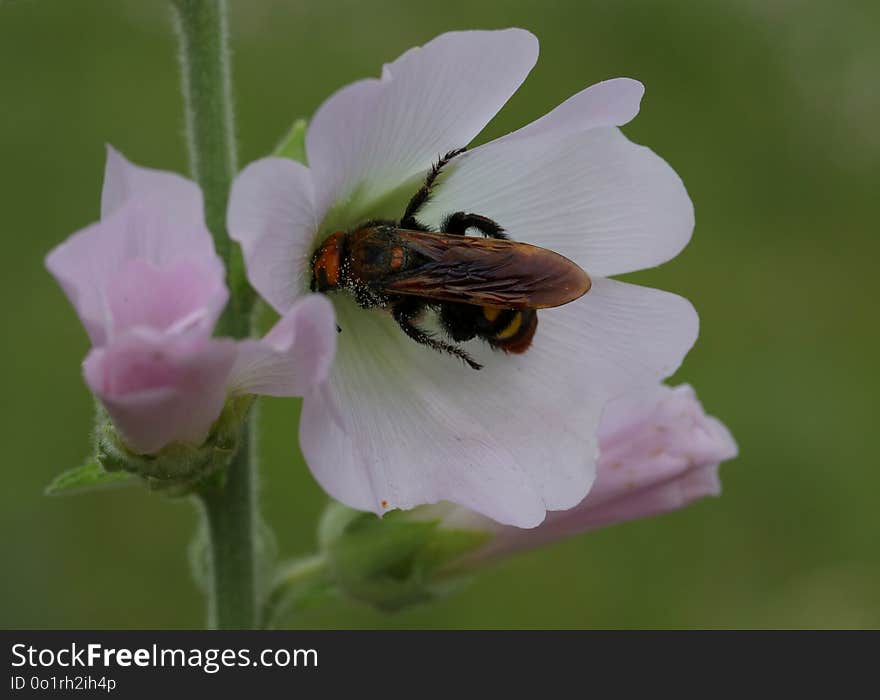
(91, 476)
(293, 145)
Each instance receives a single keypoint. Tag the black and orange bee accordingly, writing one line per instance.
(485, 287)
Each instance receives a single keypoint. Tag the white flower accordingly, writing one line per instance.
(397, 424)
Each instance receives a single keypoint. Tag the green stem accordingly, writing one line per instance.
(203, 34)
(228, 501)
(229, 506)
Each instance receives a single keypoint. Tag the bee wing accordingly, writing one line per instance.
(488, 272)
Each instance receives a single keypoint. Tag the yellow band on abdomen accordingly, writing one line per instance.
(511, 329)
(490, 313)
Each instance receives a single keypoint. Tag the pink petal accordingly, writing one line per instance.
(659, 452)
(594, 196)
(511, 441)
(123, 180)
(655, 499)
(160, 389)
(91, 265)
(374, 135)
(185, 295)
(293, 357)
(272, 215)
(650, 426)
(170, 225)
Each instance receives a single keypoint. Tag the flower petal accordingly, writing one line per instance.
(609, 103)
(293, 357)
(160, 389)
(654, 499)
(90, 263)
(649, 426)
(373, 135)
(594, 196)
(659, 452)
(187, 295)
(272, 215)
(635, 335)
(510, 441)
(181, 198)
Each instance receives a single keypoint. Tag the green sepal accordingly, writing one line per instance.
(298, 585)
(177, 469)
(91, 476)
(394, 561)
(293, 145)
(449, 545)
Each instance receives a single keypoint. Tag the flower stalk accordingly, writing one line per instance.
(229, 501)
(229, 506)
(203, 34)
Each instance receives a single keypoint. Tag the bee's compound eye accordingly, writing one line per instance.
(373, 255)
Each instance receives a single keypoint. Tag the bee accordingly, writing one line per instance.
(488, 288)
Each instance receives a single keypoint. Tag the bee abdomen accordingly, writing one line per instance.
(512, 331)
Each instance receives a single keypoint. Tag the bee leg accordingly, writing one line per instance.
(403, 314)
(419, 198)
(459, 222)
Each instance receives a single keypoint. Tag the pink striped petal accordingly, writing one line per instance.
(293, 357)
(159, 389)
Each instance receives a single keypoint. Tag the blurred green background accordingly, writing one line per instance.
(768, 110)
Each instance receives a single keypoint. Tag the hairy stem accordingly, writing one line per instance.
(229, 506)
(229, 501)
(207, 93)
